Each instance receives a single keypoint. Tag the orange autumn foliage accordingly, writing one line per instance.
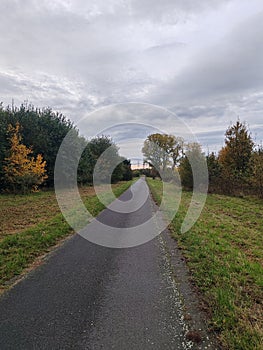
(22, 172)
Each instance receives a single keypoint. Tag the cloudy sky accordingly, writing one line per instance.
(202, 60)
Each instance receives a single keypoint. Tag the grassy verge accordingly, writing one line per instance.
(224, 251)
(19, 250)
(19, 212)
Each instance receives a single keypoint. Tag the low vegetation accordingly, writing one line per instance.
(31, 224)
(224, 251)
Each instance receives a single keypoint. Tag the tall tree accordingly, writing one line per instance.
(127, 171)
(176, 149)
(162, 151)
(93, 153)
(193, 166)
(214, 171)
(257, 171)
(235, 155)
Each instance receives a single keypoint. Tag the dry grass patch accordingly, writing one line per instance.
(20, 212)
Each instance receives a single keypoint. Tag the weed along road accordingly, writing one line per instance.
(86, 296)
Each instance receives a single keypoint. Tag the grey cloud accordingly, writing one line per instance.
(211, 140)
(45, 89)
(166, 46)
(79, 55)
(232, 66)
(9, 85)
(130, 131)
(171, 10)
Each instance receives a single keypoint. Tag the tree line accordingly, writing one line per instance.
(29, 142)
(30, 139)
(237, 169)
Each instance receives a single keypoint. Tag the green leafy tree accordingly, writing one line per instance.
(5, 120)
(162, 152)
(257, 171)
(127, 171)
(45, 130)
(186, 173)
(193, 159)
(214, 172)
(234, 157)
(95, 148)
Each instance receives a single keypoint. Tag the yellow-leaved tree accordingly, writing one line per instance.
(23, 173)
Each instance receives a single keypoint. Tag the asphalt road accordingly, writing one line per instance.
(85, 296)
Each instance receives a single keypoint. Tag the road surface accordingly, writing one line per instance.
(85, 296)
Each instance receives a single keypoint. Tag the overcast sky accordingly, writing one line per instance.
(203, 60)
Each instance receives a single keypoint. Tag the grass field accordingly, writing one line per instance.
(31, 224)
(224, 251)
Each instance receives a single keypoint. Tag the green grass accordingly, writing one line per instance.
(224, 251)
(19, 250)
